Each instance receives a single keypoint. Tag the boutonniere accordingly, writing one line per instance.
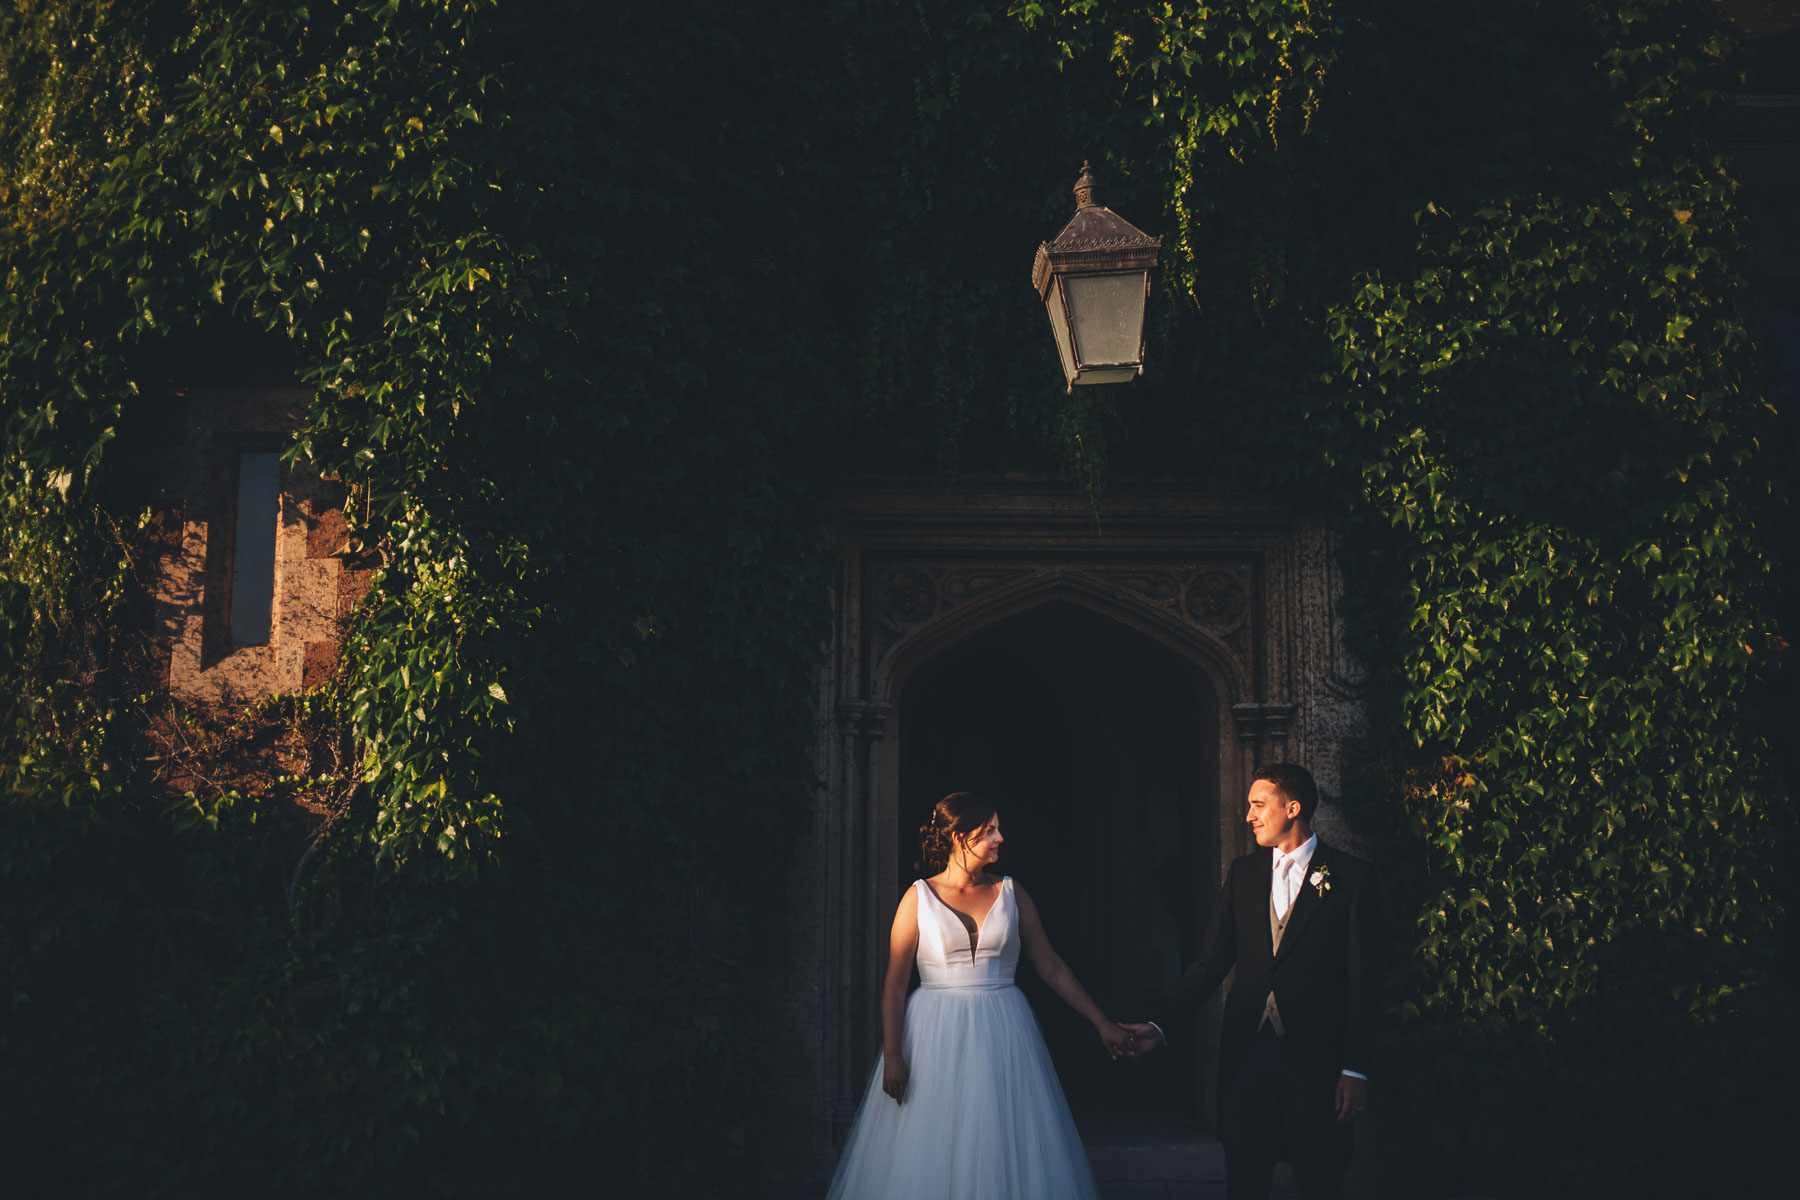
(1321, 878)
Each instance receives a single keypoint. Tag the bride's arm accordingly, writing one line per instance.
(903, 945)
(1056, 974)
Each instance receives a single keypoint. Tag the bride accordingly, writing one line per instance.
(964, 1104)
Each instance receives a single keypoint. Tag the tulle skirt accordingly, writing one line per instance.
(984, 1117)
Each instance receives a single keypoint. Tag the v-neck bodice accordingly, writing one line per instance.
(945, 959)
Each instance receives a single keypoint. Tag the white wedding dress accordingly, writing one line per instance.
(984, 1117)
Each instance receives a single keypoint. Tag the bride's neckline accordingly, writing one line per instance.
(963, 917)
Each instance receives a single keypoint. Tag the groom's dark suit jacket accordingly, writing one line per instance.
(1326, 977)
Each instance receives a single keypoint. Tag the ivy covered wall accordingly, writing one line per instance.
(596, 303)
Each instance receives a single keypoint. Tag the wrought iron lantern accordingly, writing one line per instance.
(1094, 279)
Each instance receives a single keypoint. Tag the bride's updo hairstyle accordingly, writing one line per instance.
(956, 816)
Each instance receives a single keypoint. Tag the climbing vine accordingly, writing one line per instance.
(416, 964)
(588, 345)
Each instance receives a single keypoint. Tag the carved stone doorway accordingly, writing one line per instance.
(1100, 749)
(1216, 611)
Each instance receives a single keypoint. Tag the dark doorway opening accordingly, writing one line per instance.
(1100, 749)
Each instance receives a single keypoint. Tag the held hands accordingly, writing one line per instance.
(1117, 1039)
(894, 1076)
(1144, 1037)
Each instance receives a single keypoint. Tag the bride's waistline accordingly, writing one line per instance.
(966, 985)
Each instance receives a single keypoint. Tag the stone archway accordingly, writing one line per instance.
(1239, 591)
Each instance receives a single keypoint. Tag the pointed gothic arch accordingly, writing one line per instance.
(1107, 593)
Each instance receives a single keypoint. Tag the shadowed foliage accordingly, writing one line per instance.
(595, 304)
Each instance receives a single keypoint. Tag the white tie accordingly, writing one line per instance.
(1284, 888)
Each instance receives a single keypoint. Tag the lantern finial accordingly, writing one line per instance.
(1084, 188)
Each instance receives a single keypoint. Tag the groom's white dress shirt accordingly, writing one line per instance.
(1290, 870)
(1285, 878)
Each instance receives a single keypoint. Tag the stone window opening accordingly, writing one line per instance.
(252, 574)
(254, 592)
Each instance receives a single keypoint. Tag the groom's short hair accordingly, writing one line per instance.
(1293, 781)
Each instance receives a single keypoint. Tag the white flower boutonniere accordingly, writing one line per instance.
(1321, 879)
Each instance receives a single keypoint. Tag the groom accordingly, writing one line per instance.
(1301, 922)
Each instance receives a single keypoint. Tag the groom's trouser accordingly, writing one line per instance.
(1272, 1111)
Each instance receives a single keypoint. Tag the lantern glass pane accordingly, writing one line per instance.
(1059, 324)
(1108, 315)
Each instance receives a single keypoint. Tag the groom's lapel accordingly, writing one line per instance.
(1306, 903)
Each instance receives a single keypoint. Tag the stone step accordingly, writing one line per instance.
(1127, 1153)
(1132, 1158)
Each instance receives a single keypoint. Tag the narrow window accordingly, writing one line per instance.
(253, 552)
